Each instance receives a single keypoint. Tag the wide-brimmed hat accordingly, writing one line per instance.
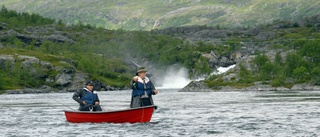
(89, 83)
(141, 69)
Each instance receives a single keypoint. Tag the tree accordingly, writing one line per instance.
(4, 9)
(260, 60)
(311, 49)
(300, 73)
(292, 62)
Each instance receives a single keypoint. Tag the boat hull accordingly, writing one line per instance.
(134, 115)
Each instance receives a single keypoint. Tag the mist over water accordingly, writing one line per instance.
(174, 78)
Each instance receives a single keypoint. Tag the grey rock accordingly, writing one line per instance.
(217, 60)
(78, 81)
(27, 61)
(63, 79)
(236, 57)
(260, 88)
(316, 88)
(265, 35)
(39, 34)
(196, 86)
(225, 62)
(46, 87)
(282, 89)
(228, 88)
(1, 46)
(4, 59)
(26, 91)
(58, 38)
(230, 77)
(13, 92)
(46, 65)
(305, 87)
(49, 80)
(12, 32)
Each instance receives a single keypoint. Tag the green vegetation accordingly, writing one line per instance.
(96, 51)
(22, 20)
(103, 54)
(299, 66)
(142, 14)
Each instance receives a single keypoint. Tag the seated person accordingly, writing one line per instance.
(87, 98)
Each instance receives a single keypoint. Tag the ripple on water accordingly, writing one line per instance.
(178, 114)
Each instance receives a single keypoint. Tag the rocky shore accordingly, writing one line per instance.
(200, 86)
(64, 79)
(40, 90)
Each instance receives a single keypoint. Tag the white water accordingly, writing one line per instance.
(175, 78)
(222, 70)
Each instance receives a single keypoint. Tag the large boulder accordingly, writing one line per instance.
(221, 61)
(63, 79)
(196, 86)
(46, 65)
(4, 59)
(305, 86)
(27, 61)
(230, 77)
(78, 81)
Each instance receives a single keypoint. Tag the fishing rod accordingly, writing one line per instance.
(61, 103)
(159, 54)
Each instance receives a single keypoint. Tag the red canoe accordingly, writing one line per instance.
(134, 115)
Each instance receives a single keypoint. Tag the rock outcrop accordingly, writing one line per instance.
(4, 59)
(232, 76)
(199, 86)
(36, 34)
(66, 79)
(196, 86)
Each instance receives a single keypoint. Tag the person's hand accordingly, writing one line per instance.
(135, 79)
(155, 92)
(96, 103)
(84, 103)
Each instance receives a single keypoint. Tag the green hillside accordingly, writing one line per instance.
(282, 53)
(157, 14)
(100, 53)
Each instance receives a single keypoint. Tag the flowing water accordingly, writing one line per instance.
(179, 114)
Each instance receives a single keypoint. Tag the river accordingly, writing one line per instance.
(178, 114)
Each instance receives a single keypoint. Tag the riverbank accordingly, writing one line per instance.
(40, 91)
(200, 86)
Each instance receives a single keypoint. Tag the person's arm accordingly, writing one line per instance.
(133, 82)
(76, 96)
(154, 90)
(97, 100)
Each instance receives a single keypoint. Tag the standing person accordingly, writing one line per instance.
(87, 98)
(142, 89)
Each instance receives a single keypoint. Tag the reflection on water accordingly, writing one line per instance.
(178, 114)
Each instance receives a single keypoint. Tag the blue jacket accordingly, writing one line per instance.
(85, 95)
(139, 87)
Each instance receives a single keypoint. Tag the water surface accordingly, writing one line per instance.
(179, 114)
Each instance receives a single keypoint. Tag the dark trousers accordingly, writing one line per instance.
(89, 106)
(137, 101)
